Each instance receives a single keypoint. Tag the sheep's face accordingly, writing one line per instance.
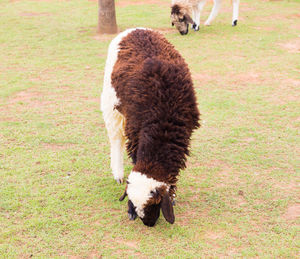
(180, 19)
(151, 214)
(146, 197)
(148, 213)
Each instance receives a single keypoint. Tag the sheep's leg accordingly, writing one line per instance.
(195, 26)
(117, 146)
(196, 19)
(193, 14)
(198, 14)
(114, 122)
(214, 12)
(235, 14)
(193, 17)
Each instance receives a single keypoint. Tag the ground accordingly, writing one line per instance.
(238, 197)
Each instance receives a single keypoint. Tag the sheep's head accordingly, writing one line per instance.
(181, 19)
(146, 197)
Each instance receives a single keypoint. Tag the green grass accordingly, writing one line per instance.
(239, 195)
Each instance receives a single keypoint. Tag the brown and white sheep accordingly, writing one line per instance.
(148, 99)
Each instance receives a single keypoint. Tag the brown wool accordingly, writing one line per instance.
(157, 98)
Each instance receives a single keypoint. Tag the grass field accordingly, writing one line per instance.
(238, 197)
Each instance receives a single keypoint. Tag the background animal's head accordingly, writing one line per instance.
(181, 19)
(146, 197)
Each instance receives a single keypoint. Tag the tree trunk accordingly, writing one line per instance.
(107, 17)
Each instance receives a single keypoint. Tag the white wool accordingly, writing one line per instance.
(109, 98)
(114, 120)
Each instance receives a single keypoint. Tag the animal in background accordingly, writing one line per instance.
(185, 12)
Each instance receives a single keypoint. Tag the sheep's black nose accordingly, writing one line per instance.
(149, 224)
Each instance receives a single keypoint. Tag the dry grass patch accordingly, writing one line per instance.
(292, 46)
(292, 213)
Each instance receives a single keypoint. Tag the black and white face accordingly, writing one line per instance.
(146, 197)
(149, 213)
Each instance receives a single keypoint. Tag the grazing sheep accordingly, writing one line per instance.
(185, 12)
(148, 99)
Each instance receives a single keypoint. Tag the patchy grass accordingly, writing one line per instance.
(238, 196)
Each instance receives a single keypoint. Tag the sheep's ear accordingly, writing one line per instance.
(167, 208)
(189, 19)
(124, 194)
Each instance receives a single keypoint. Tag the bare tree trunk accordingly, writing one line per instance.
(107, 17)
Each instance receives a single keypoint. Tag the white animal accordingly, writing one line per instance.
(189, 11)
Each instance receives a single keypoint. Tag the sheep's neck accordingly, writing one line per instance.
(159, 159)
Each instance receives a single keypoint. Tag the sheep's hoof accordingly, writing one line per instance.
(131, 216)
(196, 27)
(234, 23)
(207, 23)
(173, 202)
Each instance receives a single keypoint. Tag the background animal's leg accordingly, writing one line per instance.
(198, 14)
(117, 144)
(193, 17)
(214, 12)
(235, 14)
(193, 14)
(194, 11)
(196, 20)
